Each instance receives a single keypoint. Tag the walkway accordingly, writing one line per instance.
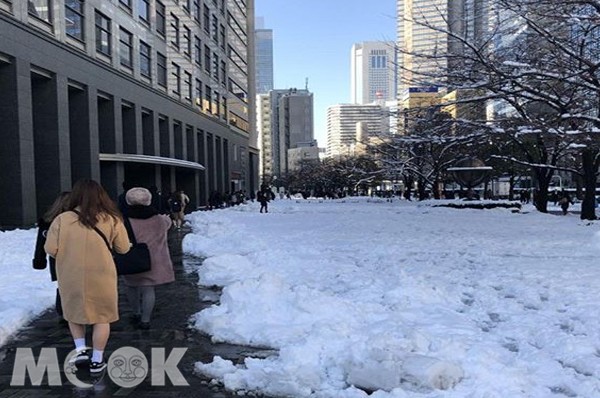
(175, 304)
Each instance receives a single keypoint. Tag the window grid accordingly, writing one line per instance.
(198, 51)
(187, 85)
(126, 48)
(74, 19)
(41, 9)
(206, 19)
(177, 76)
(207, 58)
(103, 34)
(175, 26)
(161, 69)
(144, 10)
(125, 4)
(161, 18)
(145, 60)
(187, 41)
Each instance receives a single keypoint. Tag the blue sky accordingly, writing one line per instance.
(313, 38)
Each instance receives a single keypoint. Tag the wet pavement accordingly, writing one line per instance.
(170, 328)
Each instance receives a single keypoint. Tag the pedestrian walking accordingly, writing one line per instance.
(41, 260)
(261, 198)
(86, 272)
(177, 203)
(565, 201)
(150, 228)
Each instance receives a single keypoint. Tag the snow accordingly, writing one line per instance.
(401, 298)
(25, 292)
(404, 299)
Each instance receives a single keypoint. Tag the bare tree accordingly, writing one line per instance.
(537, 64)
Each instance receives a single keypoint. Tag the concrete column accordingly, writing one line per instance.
(50, 138)
(16, 152)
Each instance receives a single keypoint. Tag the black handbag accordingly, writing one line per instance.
(136, 260)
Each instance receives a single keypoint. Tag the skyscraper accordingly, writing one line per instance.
(285, 121)
(345, 120)
(373, 72)
(264, 60)
(423, 42)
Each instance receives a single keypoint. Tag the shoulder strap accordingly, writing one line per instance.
(99, 233)
(129, 229)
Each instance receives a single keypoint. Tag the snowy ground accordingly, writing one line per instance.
(24, 292)
(406, 299)
(403, 298)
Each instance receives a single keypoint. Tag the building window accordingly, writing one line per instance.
(215, 29)
(161, 69)
(103, 34)
(206, 15)
(215, 66)
(207, 58)
(223, 73)
(144, 10)
(186, 6)
(216, 102)
(145, 60)
(198, 51)
(126, 4)
(161, 18)
(41, 9)
(207, 97)
(187, 43)
(175, 27)
(126, 48)
(176, 78)
(223, 7)
(74, 18)
(222, 34)
(187, 88)
(198, 93)
(196, 10)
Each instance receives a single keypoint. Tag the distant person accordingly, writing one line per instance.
(177, 203)
(86, 272)
(157, 199)
(151, 228)
(565, 201)
(40, 259)
(263, 197)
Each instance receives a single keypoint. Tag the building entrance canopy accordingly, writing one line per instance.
(157, 160)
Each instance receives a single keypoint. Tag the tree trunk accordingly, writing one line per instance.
(437, 194)
(408, 180)
(511, 187)
(544, 176)
(588, 206)
(421, 188)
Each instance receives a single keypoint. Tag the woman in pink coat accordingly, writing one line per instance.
(151, 228)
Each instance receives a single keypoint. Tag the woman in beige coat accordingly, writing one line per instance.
(87, 277)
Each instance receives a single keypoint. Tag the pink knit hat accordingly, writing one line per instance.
(138, 196)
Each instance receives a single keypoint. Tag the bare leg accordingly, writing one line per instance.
(77, 330)
(100, 335)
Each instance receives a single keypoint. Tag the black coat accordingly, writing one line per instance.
(40, 258)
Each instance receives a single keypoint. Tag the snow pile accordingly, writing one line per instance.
(404, 300)
(24, 292)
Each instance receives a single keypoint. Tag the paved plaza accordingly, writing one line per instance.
(175, 303)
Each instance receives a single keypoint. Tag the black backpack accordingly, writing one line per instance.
(175, 206)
